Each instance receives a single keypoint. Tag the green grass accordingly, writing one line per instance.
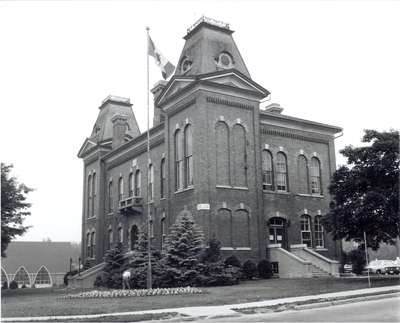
(45, 303)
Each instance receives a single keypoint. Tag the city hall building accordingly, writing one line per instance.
(256, 179)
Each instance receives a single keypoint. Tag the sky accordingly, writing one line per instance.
(335, 62)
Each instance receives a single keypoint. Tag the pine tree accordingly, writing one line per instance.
(183, 248)
(115, 263)
(138, 262)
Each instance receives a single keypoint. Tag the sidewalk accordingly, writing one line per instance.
(228, 310)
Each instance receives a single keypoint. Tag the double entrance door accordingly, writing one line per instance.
(277, 231)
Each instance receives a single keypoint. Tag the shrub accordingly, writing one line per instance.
(13, 285)
(68, 274)
(249, 269)
(357, 258)
(5, 285)
(218, 274)
(212, 253)
(23, 286)
(233, 261)
(264, 269)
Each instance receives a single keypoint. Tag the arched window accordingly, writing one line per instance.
(120, 188)
(315, 171)
(138, 183)
(110, 196)
(222, 153)
(131, 184)
(4, 278)
(241, 228)
(224, 227)
(239, 156)
(302, 173)
(268, 171)
(88, 245)
(93, 193)
(42, 277)
(162, 178)
(305, 227)
(188, 155)
(151, 182)
(120, 235)
(93, 245)
(22, 277)
(281, 172)
(134, 236)
(178, 160)
(163, 231)
(89, 196)
(318, 232)
(110, 238)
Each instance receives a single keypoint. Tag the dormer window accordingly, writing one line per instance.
(225, 60)
(186, 65)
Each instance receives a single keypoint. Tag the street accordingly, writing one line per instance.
(383, 310)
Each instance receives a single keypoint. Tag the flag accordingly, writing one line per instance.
(164, 64)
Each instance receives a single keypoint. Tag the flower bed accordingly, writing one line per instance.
(135, 292)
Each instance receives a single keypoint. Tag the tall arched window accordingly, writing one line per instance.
(93, 193)
(222, 153)
(178, 160)
(162, 178)
(138, 183)
(131, 184)
(134, 236)
(89, 196)
(163, 231)
(110, 238)
(318, 232)
(224, 227)
(110, 196)
(93, 245)
(281, 172)
(268, 171)
(188, 155)
(302, 173)
(88, 245)
(42, 277)
(239, 156)
(22, 277)
(120, 235)
(315, 171)
(305, 227)
(120, 188)
(151, 182)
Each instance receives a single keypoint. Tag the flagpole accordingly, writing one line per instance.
(149, 282)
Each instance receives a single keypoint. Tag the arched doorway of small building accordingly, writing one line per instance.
(277, 231)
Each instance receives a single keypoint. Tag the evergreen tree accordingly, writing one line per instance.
(183, 248)
(115, 264)
(138, 262)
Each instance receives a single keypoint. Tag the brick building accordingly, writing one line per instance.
(254, 178)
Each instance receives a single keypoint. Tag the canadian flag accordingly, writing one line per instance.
(167, 68)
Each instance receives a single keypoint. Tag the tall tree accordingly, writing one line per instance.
(14, 209)
(366, 191)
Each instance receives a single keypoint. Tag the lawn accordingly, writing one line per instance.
(31, 302)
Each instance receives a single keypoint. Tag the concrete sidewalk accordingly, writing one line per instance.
(226, 310)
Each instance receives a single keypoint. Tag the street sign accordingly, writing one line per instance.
(203, 206)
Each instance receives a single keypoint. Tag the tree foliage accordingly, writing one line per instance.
(366, 192)
(14, 207)
(115, 263)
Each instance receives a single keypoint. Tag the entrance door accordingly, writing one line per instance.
(277, 231)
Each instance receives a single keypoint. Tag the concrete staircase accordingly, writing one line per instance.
(317, 272)
(86, 278)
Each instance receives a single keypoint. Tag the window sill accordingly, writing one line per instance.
(240, 188)
(189, 188)
(320, 249)
(163, 198)
(310, 195)
(236, 248)
(92, 218)
(110, 213)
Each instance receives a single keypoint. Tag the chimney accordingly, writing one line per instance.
(120, 126)
(274, 108)
(158, 113)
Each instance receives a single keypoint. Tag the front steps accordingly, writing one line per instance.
(302, 262)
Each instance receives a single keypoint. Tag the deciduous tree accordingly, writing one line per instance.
(366, 191)
(14, 207)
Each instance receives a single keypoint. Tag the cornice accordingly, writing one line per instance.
(226, 102)
(291, 134)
